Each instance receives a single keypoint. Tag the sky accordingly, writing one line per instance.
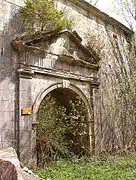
(108, 6)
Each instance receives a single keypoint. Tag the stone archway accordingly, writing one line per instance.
(68, 64)
(64, 85)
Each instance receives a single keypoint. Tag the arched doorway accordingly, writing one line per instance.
(63, 115)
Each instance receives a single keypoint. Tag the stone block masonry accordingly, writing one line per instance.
(21, 85)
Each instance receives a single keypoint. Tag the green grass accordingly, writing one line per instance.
(123, 168)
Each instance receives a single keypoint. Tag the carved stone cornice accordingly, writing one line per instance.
(26, 73)
(78, 62)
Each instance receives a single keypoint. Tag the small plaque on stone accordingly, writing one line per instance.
(26, 111)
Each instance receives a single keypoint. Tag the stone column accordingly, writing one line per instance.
(93, 88)
(25, 117)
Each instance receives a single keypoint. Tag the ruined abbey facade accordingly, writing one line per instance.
(67, 63)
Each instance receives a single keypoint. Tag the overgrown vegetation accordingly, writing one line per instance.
(116, 127)
(41, 15)
(96, 42)
(62, 131)
(104, 168)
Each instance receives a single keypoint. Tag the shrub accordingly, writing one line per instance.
(62, 132)
(41, 15)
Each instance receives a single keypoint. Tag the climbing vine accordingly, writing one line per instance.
(96, 42)
(116, 127)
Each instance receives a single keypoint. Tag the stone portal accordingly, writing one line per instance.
(47, 62)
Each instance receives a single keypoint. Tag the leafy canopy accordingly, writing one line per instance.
(41, 15)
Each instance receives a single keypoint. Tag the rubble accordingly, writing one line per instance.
(10, 167)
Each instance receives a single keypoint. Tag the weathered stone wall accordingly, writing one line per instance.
(12, 100)
(110, 126)
(9, 27)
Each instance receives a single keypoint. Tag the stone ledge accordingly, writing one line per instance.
(78, 62)
(60, 74)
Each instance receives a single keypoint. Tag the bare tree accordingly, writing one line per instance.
(127, 8)
(94, 2)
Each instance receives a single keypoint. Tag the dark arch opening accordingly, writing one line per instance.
(63, 127)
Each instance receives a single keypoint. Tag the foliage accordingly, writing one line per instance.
(50, 131)
(96, 42)
(123, 70)
(115, 126)
(62, 131)
(95, 169)
(41, 15)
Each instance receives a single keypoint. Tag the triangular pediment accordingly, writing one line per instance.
(69, 44)
(61, 44)
(59, 54)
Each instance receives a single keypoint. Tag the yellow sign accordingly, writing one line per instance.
(26, 111)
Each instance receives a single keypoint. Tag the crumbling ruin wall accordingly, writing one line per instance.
(9, 28)
(87, 20)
